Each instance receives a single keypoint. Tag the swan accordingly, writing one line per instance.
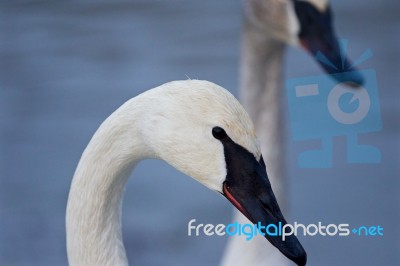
(268, 26)
(197, 127)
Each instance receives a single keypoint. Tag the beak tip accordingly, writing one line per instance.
(296, 252)
(351, 78)
(332, 60)
(301, 261)
(301, 258)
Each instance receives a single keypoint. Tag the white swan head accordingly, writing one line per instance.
(182, 122)
(308, 23)
(197, 127)
(203, 131)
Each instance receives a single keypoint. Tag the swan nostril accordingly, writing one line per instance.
(266, 208)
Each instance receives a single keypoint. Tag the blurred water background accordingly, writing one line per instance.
(66, 65)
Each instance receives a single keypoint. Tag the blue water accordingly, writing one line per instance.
(64, 67)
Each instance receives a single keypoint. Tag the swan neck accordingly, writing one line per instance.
(93, 219)
(261, 65)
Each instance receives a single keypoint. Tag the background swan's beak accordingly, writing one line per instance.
(317, 36)
(247, 187)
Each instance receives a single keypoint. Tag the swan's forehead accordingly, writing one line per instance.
(238, 125)
(321, 5)
(209, 105)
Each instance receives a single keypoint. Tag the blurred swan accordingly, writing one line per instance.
(197, 127)
(268, 25)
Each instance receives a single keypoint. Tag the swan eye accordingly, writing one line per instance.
(219, 133)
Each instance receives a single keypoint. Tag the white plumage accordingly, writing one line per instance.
(173, 123)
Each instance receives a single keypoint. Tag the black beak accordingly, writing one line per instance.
(318, 37)
(247, 187)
